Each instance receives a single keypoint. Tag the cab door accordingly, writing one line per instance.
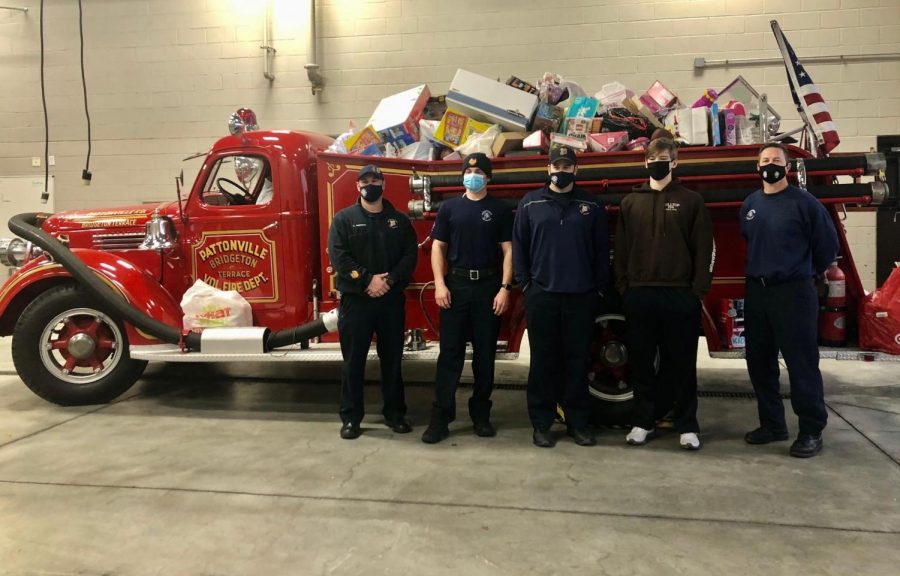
(235, 233)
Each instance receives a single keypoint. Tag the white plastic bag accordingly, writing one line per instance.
(339, 145)
(482, 142)
(208, 307)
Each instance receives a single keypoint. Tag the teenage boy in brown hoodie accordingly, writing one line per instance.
(664, 255)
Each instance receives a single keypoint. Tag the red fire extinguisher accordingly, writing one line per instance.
(833, 314)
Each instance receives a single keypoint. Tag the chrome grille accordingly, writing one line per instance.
(118, 241)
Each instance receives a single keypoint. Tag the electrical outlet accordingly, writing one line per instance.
(36, 161)
(51, 160)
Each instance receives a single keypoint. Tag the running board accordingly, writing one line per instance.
(825, 353)
(315, 353)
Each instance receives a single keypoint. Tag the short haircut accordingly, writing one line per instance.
(778, 145)
(660, 145)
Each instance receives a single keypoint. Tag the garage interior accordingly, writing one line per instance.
(224, 469)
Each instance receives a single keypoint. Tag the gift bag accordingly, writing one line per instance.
(879, 317)
(208, 307)
(624, 120)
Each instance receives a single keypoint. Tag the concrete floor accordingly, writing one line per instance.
(211, 472)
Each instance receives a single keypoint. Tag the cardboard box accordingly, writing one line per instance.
(608, 141)
(583, 107)
(547, 118)
(396, 119)
(520, 84)
(537, 141)
(715, 133)
(635, 105)
(508, 142)
(490, 101)
(435, 108)
(661, 95)
(562, 140)
(731, 323)
(613, 94)
(577, 127)
(455, 128)
(364, 142)
(728, 124)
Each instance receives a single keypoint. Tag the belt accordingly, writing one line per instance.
(769, 282)
(474, 274)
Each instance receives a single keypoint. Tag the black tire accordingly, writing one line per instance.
(87, 336)
(612, 398)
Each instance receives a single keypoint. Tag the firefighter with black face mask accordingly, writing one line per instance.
(561, 262)
(790, 239)
(663, 261)
(373, 250)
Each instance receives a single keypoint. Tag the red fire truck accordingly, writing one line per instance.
(96, 294)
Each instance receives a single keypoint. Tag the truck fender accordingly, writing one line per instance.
(139, 288)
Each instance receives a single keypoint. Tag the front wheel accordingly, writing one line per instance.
(612, 397)
(69, 350)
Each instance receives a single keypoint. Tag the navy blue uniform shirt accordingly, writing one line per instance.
(473, 230)
(790, 235)
(561, 242)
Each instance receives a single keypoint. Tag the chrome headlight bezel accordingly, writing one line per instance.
(15, 252)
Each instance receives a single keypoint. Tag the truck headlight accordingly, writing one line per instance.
(15, 252)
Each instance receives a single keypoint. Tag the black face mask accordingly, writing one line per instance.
(772, 173)
(562, 179)
(659, 170)
(371, 192)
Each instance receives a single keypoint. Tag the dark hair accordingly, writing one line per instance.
(662, 145)
(778, 145)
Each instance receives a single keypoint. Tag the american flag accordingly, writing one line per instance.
(812, 108)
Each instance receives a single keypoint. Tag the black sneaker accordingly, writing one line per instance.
(764, 435)
(400, 426)
(543, 439)
(806, 445)
(582, 436)
(435, 432)
(350, 431)
(484, 429)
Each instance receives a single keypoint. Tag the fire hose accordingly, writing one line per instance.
(25, 226)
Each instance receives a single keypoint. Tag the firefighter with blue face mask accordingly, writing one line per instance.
(471, 257)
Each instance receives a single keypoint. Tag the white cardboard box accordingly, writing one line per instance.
(491, 101)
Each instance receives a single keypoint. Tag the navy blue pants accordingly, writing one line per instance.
(470, 317)
(359, 318)
(560, 329)
(784, 317)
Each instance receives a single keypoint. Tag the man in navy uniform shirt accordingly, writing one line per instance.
(471, 257)
(561, 261)
(790, 239)
(373, 249)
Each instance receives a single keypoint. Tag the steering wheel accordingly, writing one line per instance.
(233, 198)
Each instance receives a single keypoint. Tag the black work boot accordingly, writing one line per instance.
(437, 429)
(480, 411)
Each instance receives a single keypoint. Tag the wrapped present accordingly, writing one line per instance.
(547, 118)
(366, 142)
(396, 119)
(490, 101)
(608, 141)
(455, 128)
(508, 142)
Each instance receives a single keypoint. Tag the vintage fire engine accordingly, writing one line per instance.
(96, 294)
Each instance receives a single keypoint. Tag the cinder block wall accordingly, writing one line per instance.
(163, 75)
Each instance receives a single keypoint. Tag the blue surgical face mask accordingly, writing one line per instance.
(474, 181)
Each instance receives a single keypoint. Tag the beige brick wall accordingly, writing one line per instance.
(860, 230)
(163, 75)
